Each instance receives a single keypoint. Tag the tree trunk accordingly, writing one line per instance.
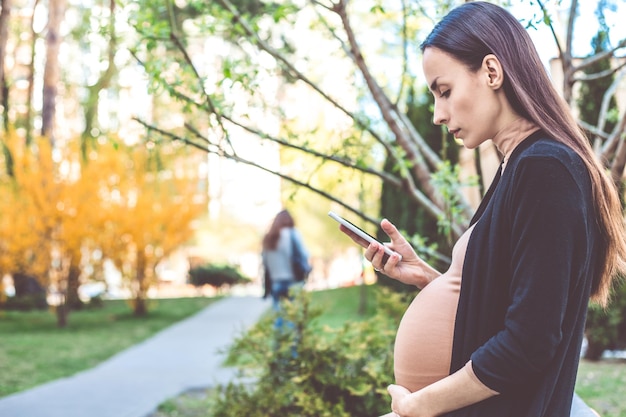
(362, 298)
(62, 313)
(51, 75)
(5, 15)
(594, 351)
(31, 78)
(72, 300)
(92, 102)
(140, 297)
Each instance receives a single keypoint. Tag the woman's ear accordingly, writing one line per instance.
(493, 70)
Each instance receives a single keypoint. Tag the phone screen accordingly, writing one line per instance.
(360, 232)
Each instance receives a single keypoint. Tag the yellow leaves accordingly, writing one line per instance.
(122, 201)
(24, 221)
(148, 209)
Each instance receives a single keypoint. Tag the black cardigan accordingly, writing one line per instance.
(526, 282)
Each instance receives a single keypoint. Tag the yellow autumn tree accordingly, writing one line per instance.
(77, 223)
(134, 205)
(46, 218)
(27, 185)
(150, 205)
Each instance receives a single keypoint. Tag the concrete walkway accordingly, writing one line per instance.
(134, 382)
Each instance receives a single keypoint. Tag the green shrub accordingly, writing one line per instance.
(216, 275)
(606, 328)
(95, 302)
(307, 371)
(28, 302)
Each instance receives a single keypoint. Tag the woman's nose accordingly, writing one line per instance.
(439, 117)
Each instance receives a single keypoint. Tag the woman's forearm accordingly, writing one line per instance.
(456, 391)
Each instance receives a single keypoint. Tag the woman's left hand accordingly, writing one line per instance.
(404, 404)
(398, 395)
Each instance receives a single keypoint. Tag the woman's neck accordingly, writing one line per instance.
(512, 135)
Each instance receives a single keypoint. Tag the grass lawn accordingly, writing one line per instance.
(344, 305)
(33, 350)
(602, 385)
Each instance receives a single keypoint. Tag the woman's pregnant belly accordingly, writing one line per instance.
(423, 347)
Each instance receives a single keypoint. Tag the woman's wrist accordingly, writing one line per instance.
(427, 275)
(453, 392)
(416, 404)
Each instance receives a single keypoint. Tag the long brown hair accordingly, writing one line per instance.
(475, 29)
(283, 219)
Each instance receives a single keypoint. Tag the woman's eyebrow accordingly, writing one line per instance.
(434, 85)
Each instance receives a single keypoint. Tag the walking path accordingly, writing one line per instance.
(133, 383)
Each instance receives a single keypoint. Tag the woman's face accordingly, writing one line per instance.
(465, 101)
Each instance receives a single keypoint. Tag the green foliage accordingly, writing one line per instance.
(592, 91)
(602, 385)
(334, 372)
(606, 328)
(420, 228)
(603, 327)
(26, 302)
(95, 302)
(447, 182)
(216, 275)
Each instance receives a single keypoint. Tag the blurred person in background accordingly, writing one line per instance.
(285, 259)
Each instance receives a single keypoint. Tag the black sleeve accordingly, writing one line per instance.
(548, 237)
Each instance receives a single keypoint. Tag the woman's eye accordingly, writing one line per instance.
(445, 93)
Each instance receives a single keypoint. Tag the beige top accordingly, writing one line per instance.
(423, 347)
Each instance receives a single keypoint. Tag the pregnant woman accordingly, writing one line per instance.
(499, 334)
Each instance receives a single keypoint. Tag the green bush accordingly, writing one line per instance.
(95, 302)
(216, 275)
(28, 302)
(307, 371)
(606, 328)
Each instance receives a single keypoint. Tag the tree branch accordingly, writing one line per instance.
(176, 40)
(212, 148)
(601, 74)
(394, 119)
(295, 73)
(208, 148)
(611, 142)
(619, 161)
(599, 57)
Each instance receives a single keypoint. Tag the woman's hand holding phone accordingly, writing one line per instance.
(361, 236)
(403, 264)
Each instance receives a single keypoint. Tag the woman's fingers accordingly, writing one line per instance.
(392, 231)
(356, 238)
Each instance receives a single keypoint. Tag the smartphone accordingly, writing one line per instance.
(362, 233)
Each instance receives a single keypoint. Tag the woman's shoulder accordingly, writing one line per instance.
(286, 231)
(544, 147)
(286, 234)
(546, 158)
